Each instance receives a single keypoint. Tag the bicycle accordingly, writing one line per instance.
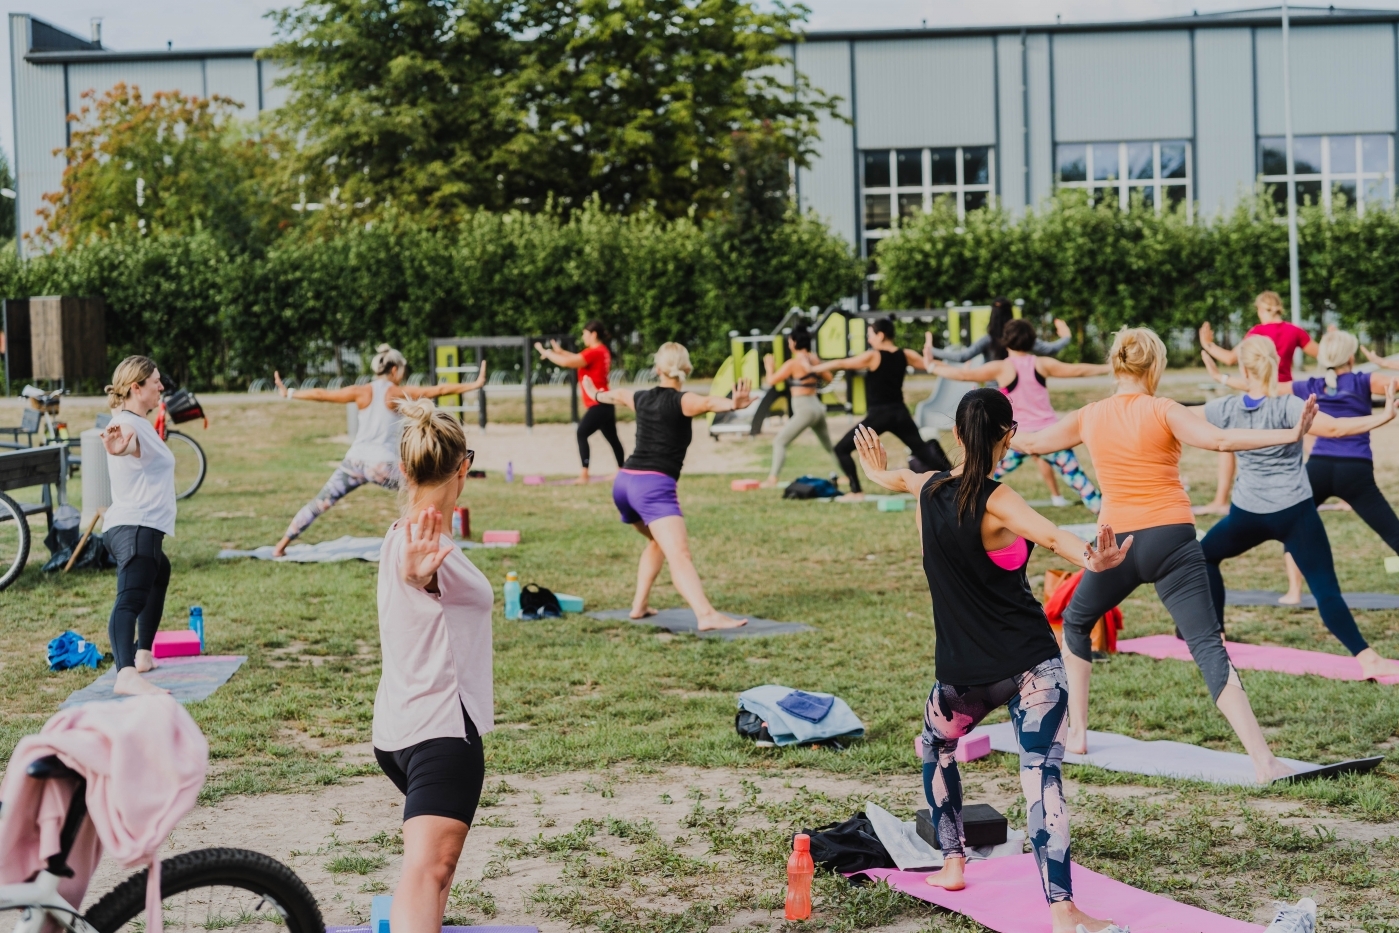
(207, 889)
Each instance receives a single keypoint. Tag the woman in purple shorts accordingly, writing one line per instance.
(644, 489)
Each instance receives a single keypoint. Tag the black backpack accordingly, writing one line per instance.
(538, 603)
(849, 846)
(810, 487)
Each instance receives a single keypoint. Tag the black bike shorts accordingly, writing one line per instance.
(439, 777)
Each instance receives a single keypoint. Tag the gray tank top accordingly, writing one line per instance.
(376, 441)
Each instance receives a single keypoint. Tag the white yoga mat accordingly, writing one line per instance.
(343, 548)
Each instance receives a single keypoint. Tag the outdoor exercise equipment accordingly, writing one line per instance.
(445, 362)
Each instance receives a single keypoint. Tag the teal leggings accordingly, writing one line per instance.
(1067, 465)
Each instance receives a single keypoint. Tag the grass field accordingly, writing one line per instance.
(578, 695)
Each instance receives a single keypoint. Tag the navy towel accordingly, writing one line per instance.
(806, 706)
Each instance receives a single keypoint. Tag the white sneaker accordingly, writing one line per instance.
(1058, 501)
(1294, 919)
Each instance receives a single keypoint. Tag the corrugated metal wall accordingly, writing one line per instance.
(1224, 158)
(235, 78)
(1041, 141)
(39, 126)
(149, 76)
(1342, 80)
(828, 187)
(1115, 86)
(273, 96)
(912, 93)
(1010, 154)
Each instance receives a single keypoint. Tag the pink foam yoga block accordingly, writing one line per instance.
(175, 644)
(744, 485)
(501, 537)
(972, 747)
(534, 480)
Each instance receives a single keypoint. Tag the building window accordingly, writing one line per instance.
(1354, 170)
(896, 184)
(1159, 171)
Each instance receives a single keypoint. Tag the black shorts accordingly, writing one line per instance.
(439, 777)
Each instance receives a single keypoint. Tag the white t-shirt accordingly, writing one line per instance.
(143, 488)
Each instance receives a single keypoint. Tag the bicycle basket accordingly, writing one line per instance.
(182, 406)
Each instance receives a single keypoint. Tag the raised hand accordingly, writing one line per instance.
(1210, 365)
(873, 456)
(424, 553)
(1389, 399)
(1061, 328)
(741, 394)
(281, 386)
(1206, 334)
(928, 358)
(539, 348)
(117, 439)
(1304, 424)
(1373, 357)
(1104, 554)
(769, 363)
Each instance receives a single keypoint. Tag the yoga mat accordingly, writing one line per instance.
(574, 482)
(1270, 598)
(189, 680)
(1256, 657)
(343, 548)
(1004, 894)
(683, 620)
(481, 929)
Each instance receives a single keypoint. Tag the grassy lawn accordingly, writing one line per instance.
(579, 695)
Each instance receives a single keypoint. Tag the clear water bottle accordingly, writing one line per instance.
(196, 624)
(512, 595)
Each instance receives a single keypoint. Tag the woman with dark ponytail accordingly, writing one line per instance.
(994, 645)
(807, 409)
(595, 362)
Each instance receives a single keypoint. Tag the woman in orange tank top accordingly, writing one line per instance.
(1135, 439)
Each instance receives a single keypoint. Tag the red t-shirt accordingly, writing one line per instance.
(1287, 337)
(597, 361)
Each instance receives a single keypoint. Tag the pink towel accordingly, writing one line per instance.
(1004, 894)
(144, 760)
(1257, 658)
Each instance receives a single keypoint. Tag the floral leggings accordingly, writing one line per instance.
(1068, 466)
(1039, 711)
(348, 476)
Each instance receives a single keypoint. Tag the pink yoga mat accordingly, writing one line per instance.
(1005, 895)
(1256, 657)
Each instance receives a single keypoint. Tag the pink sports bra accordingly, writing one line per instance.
(1011, 557)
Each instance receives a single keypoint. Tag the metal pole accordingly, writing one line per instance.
(529, 389)
(572, 384)
(1292, 263)
(481, 393)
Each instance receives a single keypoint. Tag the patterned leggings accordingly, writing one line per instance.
(348, 476)
(1067, 464)
(1039, 710)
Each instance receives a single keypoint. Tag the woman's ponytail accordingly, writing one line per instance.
(983, 418)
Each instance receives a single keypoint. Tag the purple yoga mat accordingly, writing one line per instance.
(1004, 894)
(1256, 657)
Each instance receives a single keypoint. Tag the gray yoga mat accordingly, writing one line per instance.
(1114, 752)
(683, 620)
(343, 548)
(189, 680)
(1270, 598)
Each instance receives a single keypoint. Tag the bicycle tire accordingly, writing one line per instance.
(11, 512)
(258, 874)
(192, 487)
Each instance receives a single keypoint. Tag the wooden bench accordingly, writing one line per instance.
(37, 466)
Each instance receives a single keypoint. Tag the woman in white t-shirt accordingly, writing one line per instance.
(142, 513)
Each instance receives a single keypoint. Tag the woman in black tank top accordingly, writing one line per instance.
(644, 490)
(994, 644)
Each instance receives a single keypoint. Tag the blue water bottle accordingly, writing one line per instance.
(512, 595)
(196, 624)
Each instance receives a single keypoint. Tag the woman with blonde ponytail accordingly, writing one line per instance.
(644, 490)
(436, 690)
(373, 456)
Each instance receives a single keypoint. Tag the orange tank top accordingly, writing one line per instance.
(1137, 460)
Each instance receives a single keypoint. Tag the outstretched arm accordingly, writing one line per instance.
(347, 394)
(1197, 432)
(1049, 366)
(961, 354)
(1213, 349)
(1326, 426)
(861, 361)
(1384, 362)
(1062, 435)
(983, 373)
(623, 397)
(692, 403)
(875, 460)
(446, 388)
(557, 355)
(1007, 507)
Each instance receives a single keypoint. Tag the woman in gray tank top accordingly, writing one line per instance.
(373, 456)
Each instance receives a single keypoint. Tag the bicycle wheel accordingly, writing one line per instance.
(190, 464)
(210, 889)
(14, 540)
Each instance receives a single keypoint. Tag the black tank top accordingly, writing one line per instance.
(989, 624)
(885, 385)
(663, 432)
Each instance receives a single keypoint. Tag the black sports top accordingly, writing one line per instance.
(885, 385)
(663, 432)
(989, 624)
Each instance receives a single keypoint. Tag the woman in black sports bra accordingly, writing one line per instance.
(807, 409)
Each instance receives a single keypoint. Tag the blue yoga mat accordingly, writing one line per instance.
(189, 680)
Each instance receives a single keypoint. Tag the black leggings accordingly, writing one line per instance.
(599, 418)
(1352, 480)
(1170, 557)
(895, 420)
(1302, 533)
(439, 777)
(143, 574)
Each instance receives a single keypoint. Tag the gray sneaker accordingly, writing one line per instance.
(1294, 919)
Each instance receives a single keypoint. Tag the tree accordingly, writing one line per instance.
(440, 106)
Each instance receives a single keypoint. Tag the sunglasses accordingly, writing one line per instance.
(1014, 426)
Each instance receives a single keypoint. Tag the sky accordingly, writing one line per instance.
(131, 25)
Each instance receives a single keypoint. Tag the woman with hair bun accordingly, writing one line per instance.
(436, 687)
(807, 409)
(644, 490)
(373, 456)
(595, 362)
(991, 345)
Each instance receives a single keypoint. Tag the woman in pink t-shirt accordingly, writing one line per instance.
(1288, 338)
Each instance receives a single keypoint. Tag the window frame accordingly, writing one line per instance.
(927, 190)
(1326, 178)
(1124, 184)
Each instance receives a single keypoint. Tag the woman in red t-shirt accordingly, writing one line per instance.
(1288, 338)
(595, 361)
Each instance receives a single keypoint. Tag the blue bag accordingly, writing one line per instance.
(72, 650)
(811, 487)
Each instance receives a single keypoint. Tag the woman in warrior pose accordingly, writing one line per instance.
(373, 456)
(1022, 374)
(885, 365)
(595, 362)
(808, 411)
(1273, 497)
(1135, 439)
(644, 490)
(994, 644)
(991, 346)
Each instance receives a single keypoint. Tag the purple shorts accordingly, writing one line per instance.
(644, 496)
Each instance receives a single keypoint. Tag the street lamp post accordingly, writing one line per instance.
(1296, 298)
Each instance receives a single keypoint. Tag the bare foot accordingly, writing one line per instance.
(582, 479)
(1077, 742)
(1373, 666)
(1067, 918)
(145, 661)
(769, 483)
(281, 549)
(129, 683)
(717, 621)
(949, 877)
(1290, 598)
(643, 614)
(1271, 771)
(1212, 508)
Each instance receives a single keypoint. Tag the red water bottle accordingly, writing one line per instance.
(800, 869)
